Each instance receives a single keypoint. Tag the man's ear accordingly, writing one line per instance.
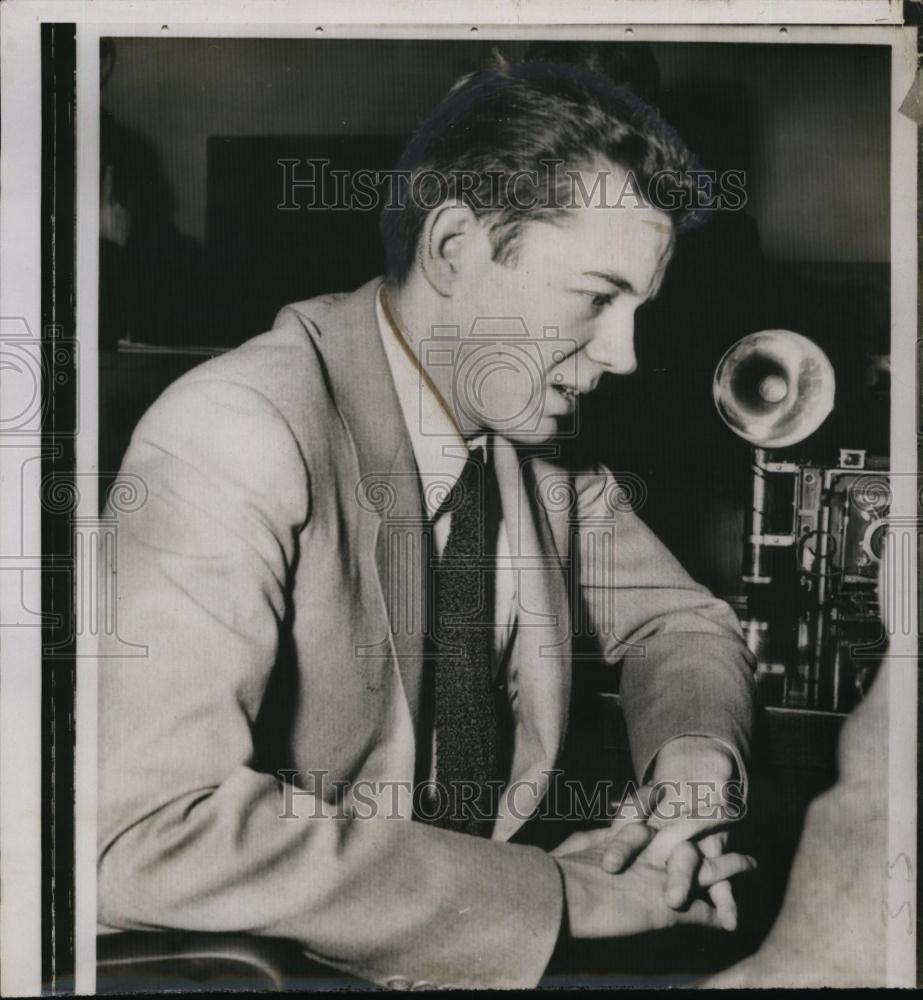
(447, 234)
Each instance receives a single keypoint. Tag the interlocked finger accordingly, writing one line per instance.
(626, 845)
(720, 891)
(682, 867)
(715, 872)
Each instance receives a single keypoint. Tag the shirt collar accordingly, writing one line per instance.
(439, 449)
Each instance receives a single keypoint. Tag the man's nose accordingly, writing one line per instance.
(614, 348)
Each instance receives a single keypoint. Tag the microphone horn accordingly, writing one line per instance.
(774, 388)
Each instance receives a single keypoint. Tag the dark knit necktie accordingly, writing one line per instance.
(465, 713)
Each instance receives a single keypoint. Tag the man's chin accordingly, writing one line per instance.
(547, 429)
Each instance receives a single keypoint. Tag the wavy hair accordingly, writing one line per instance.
(510, 123)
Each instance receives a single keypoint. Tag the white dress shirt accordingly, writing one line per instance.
(440, 453)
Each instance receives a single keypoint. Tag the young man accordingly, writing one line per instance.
(358, 584)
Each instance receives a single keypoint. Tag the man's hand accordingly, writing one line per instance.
(693, 775)
(681, 814)
(600, 904)
(691, 784)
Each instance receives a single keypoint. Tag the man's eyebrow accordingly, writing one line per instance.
(614, 279)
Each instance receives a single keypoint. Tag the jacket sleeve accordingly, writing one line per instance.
(685, 667)
(191, 835)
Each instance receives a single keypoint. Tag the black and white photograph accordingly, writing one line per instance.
(474, 481)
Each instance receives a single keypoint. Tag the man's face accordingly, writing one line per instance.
(540, 331)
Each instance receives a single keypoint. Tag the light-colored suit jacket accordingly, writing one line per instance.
(273, 574)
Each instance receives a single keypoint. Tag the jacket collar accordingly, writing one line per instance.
(357, 372)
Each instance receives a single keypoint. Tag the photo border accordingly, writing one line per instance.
(21, 689)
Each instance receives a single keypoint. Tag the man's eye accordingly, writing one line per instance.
(599, 301)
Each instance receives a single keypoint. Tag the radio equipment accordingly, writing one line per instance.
(815, 532)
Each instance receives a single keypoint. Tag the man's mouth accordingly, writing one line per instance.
(568, 392)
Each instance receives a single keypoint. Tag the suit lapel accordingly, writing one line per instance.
(402, 550)
(539, 666)
(387, 488)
